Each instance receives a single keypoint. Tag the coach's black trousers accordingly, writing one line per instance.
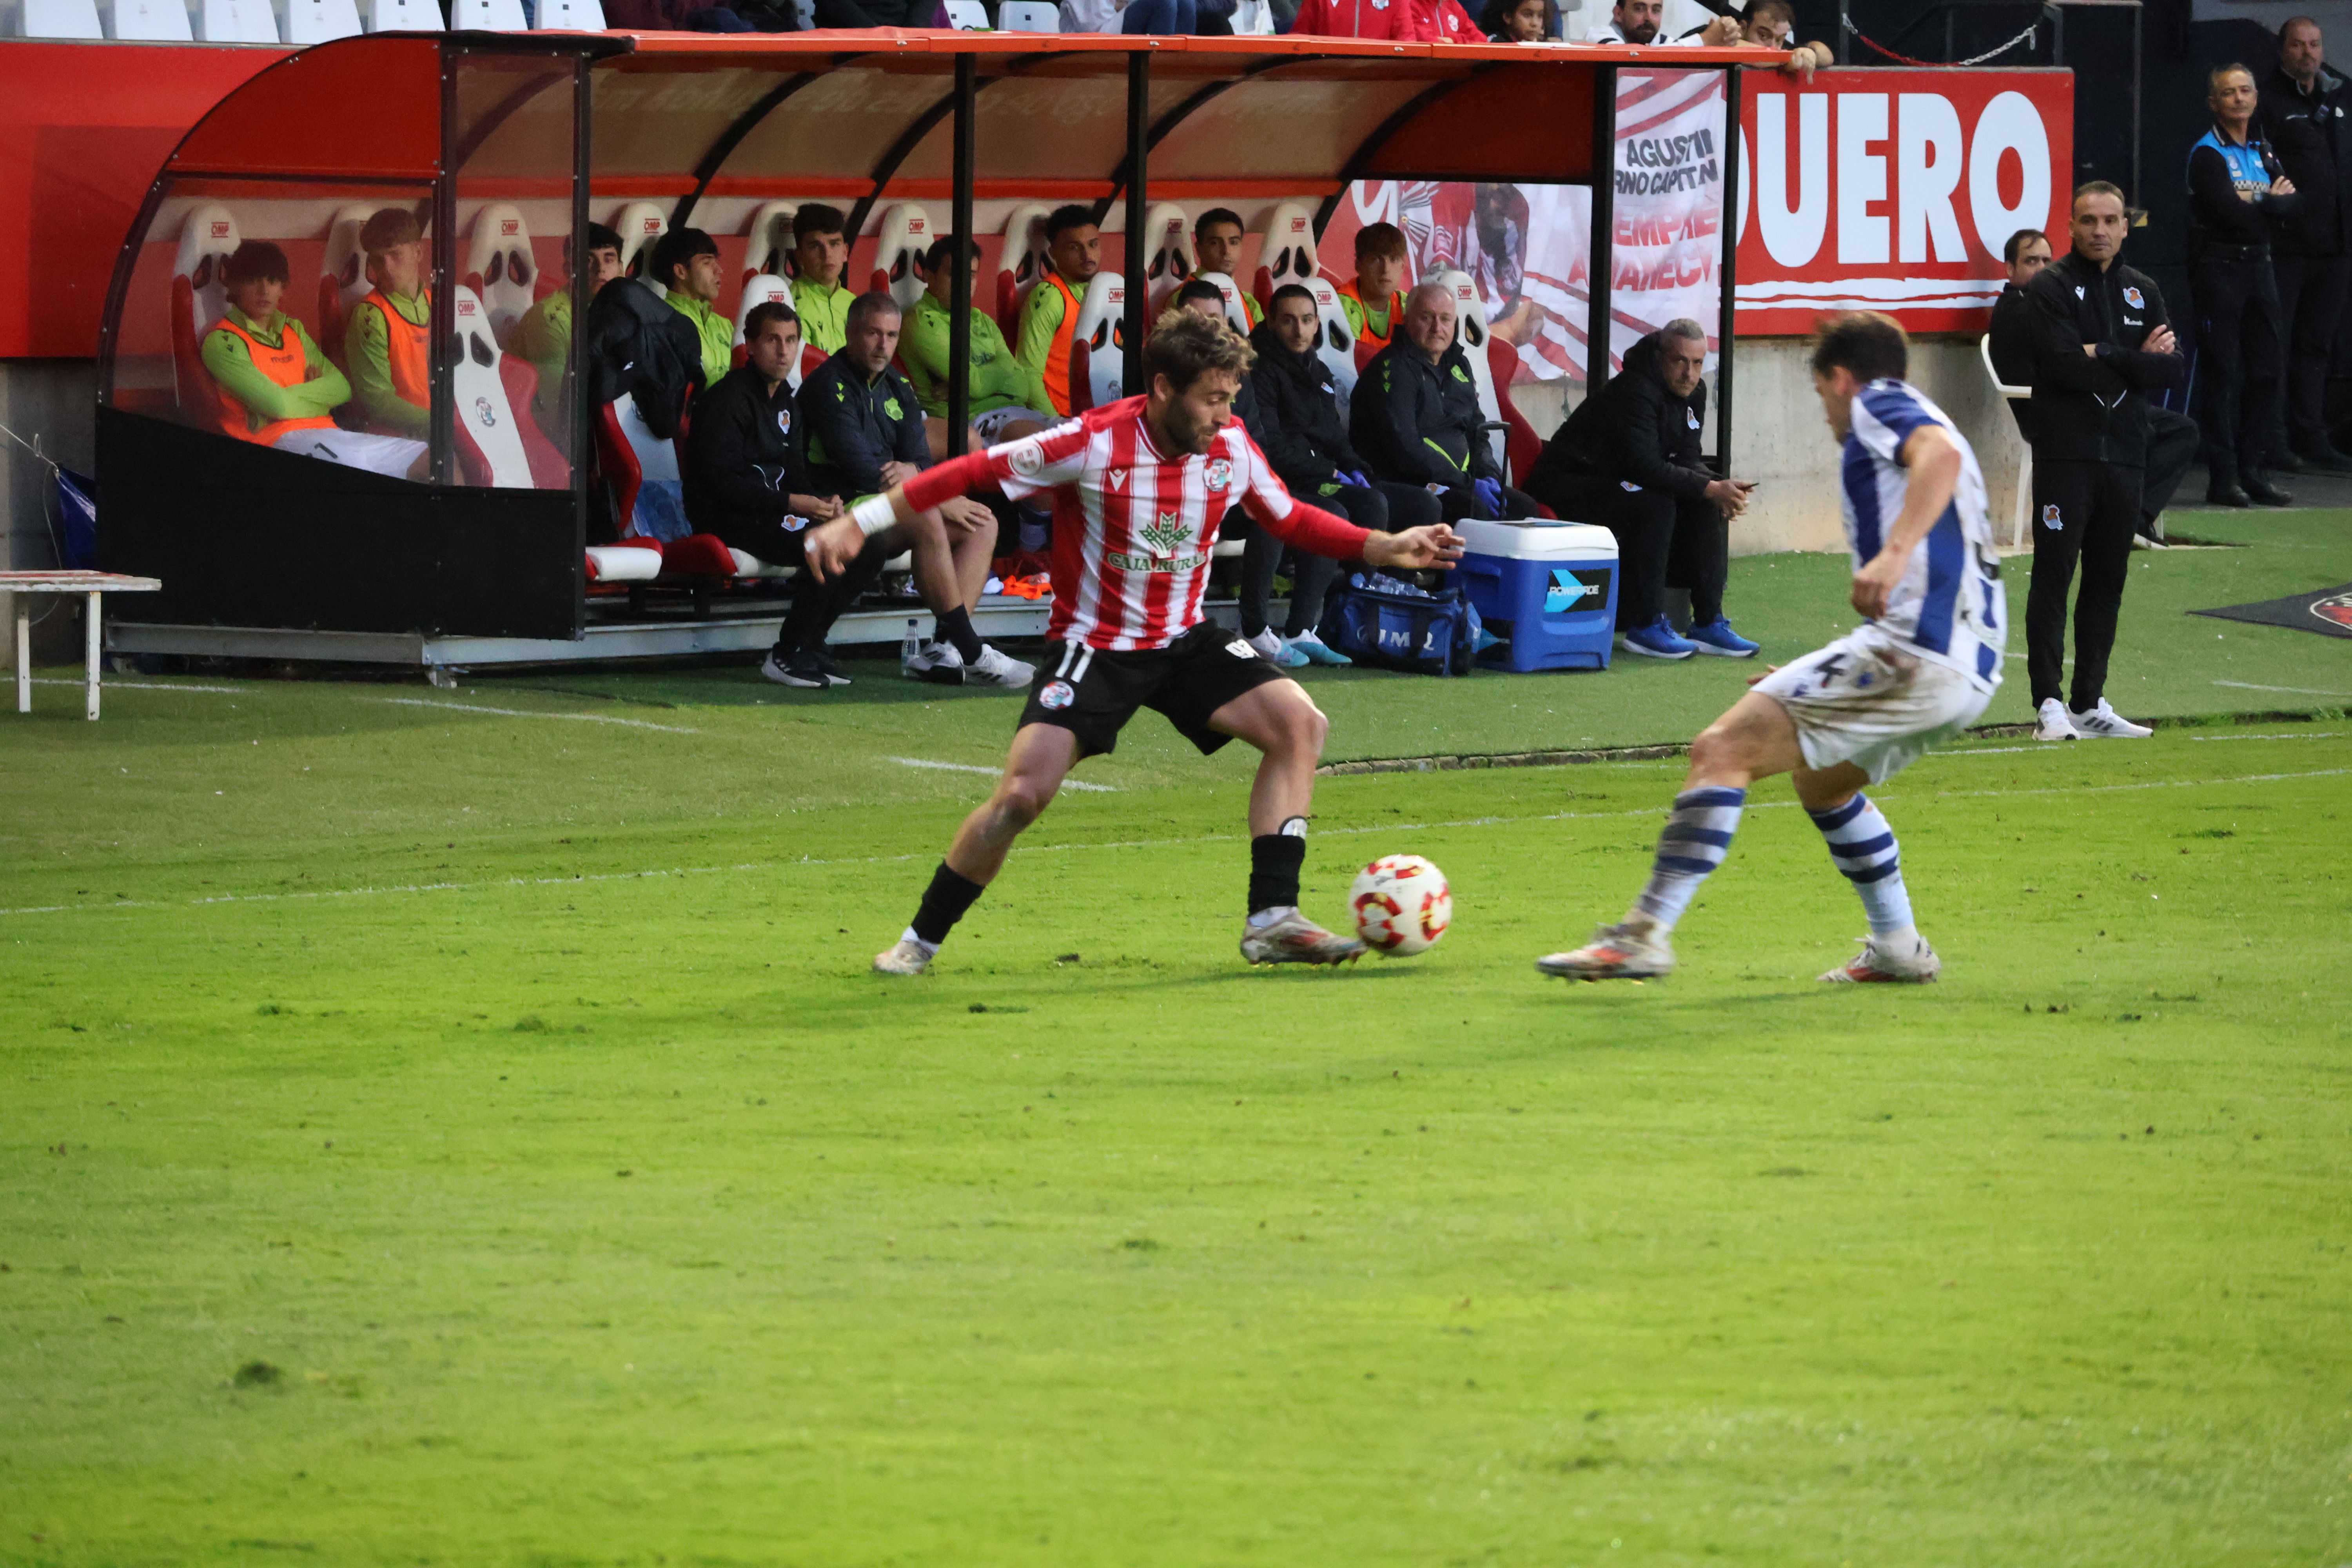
(1663, 541)
(2237, 363)
(2311, 302)
(2090, 511)
(817, 605)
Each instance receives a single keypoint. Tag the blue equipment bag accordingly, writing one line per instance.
(77, 550)
(1377, 620)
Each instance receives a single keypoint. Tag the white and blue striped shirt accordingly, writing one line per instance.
(1947, 608)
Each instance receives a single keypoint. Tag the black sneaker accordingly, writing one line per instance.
(833, 673)
(802, 670)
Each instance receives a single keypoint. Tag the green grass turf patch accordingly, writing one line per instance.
(485, 1147)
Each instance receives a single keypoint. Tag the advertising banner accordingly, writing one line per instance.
(1886, 190)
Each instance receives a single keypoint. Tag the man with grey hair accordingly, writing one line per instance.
(1415, 419)
(2301, 111)
(1629, 459)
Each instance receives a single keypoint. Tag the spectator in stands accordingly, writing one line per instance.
(685, 262)
(742, 478)
(1638, 21)
(277, 388)
(2024, 254)
(820, 255)
(1773, 25)
(543, 335)
(2235, 187)
(1399, 21)
(1307, 441)
(385, 343)
(1521, 21)
(1178, 17)
(1049, 316)
(1415, 416)
(1629, 459)
(1374, 297)
(2302, 109)
(1217, 242)
(1007, 400)
(860, 431)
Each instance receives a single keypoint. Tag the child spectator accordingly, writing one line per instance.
(1374, 297)
(1521, 21)
(820, 255)
(685, 262)
(385, 346)
(1049, 316)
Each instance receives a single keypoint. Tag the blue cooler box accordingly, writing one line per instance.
(1550, 588)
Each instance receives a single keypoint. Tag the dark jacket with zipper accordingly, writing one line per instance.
(739, 457)
(849, 426)
(2308, 133)
(1420, 424)
(1635, 431)
(1305, 440)
(2093, 408)
(2012, 350)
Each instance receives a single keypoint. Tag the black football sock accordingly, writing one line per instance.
(1274, 861)
(955, 626)
(944, 903)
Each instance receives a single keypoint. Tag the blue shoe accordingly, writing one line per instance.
(1716, 638)
(1315, 650)
(1656, 640)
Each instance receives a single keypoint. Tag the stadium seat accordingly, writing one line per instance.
(1169, 234)
(497, 445)
(903, 235)
(2022, 513)
(1522, 445)
(639, 224)
(500, 266)
(570, 15)
(1028, 17)
(1020, 264)
(1098, 345)
(59, 19)
(152, 21)
(627, 455)
(967, 16)
(1236, 313)
(812, 360)
(487, 15)
(198, 298)
(240, 22)
(630, 561)
(404, 16)
(758, 290)
(342, 278)
(768, 245)
(1337, 345)
(1286, 251)
(317, 21)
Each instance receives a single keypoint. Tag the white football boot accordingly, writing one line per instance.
(1615, 952)
(2103, 724)
(1267, 643)
(1902, 962)
(1295, 938)
(907, 956)
(939, 662)
(2052, 724)
(993, 668)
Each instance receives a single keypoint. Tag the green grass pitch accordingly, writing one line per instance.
(458, 1128)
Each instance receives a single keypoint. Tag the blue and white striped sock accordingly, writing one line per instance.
(1863, 848)
(1697, 837)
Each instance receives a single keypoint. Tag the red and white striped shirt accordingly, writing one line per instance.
(1133, 531)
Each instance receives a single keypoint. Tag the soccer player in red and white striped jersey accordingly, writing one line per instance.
(1139, 488)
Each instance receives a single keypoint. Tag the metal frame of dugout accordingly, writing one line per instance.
(266, 553)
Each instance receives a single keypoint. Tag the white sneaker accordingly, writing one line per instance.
(2103, 724)
(939, 662)
(1295, 938)
(1900, 962)
(2053, 723)
(907, 956)
(993, 668)
(1615, 952)
(1268, 645)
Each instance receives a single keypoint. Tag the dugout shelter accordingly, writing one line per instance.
(502, 144)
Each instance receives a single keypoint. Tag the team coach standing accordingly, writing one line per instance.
(2301, 114)
(2100, 344)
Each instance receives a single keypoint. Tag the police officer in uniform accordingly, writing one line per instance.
(2100, 344)
(2235, 188)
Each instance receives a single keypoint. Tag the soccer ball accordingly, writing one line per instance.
(1403, 905)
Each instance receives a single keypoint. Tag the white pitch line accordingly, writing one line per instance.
(2314, 735)
(991, 772)
(534, 713)
(112, 685)
(2297, 690)
(1649, 811)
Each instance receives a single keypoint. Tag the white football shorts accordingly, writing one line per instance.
(1872, 703)
(393, 455)
(990, 427)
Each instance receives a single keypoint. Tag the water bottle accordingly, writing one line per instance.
(909, 650)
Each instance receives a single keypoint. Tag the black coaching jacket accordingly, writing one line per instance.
(2093, 408)
(1418, 423)
(1635, 430)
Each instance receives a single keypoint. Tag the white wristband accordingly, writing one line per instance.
(873, 514)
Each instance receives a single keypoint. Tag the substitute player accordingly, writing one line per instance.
(1918, 670)
(1139, 487)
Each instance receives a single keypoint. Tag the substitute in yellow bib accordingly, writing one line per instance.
(1374, 296)
(1049, 317)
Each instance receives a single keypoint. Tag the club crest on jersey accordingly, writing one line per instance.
(1218, 474)
(1690, 418)
(2050, 516)
(2133, 298)
(1164, 534)
(784, 420)
(1058, 695)
(1027, 459)
(794, 524)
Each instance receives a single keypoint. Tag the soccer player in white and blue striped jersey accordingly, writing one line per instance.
(1919, 670)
